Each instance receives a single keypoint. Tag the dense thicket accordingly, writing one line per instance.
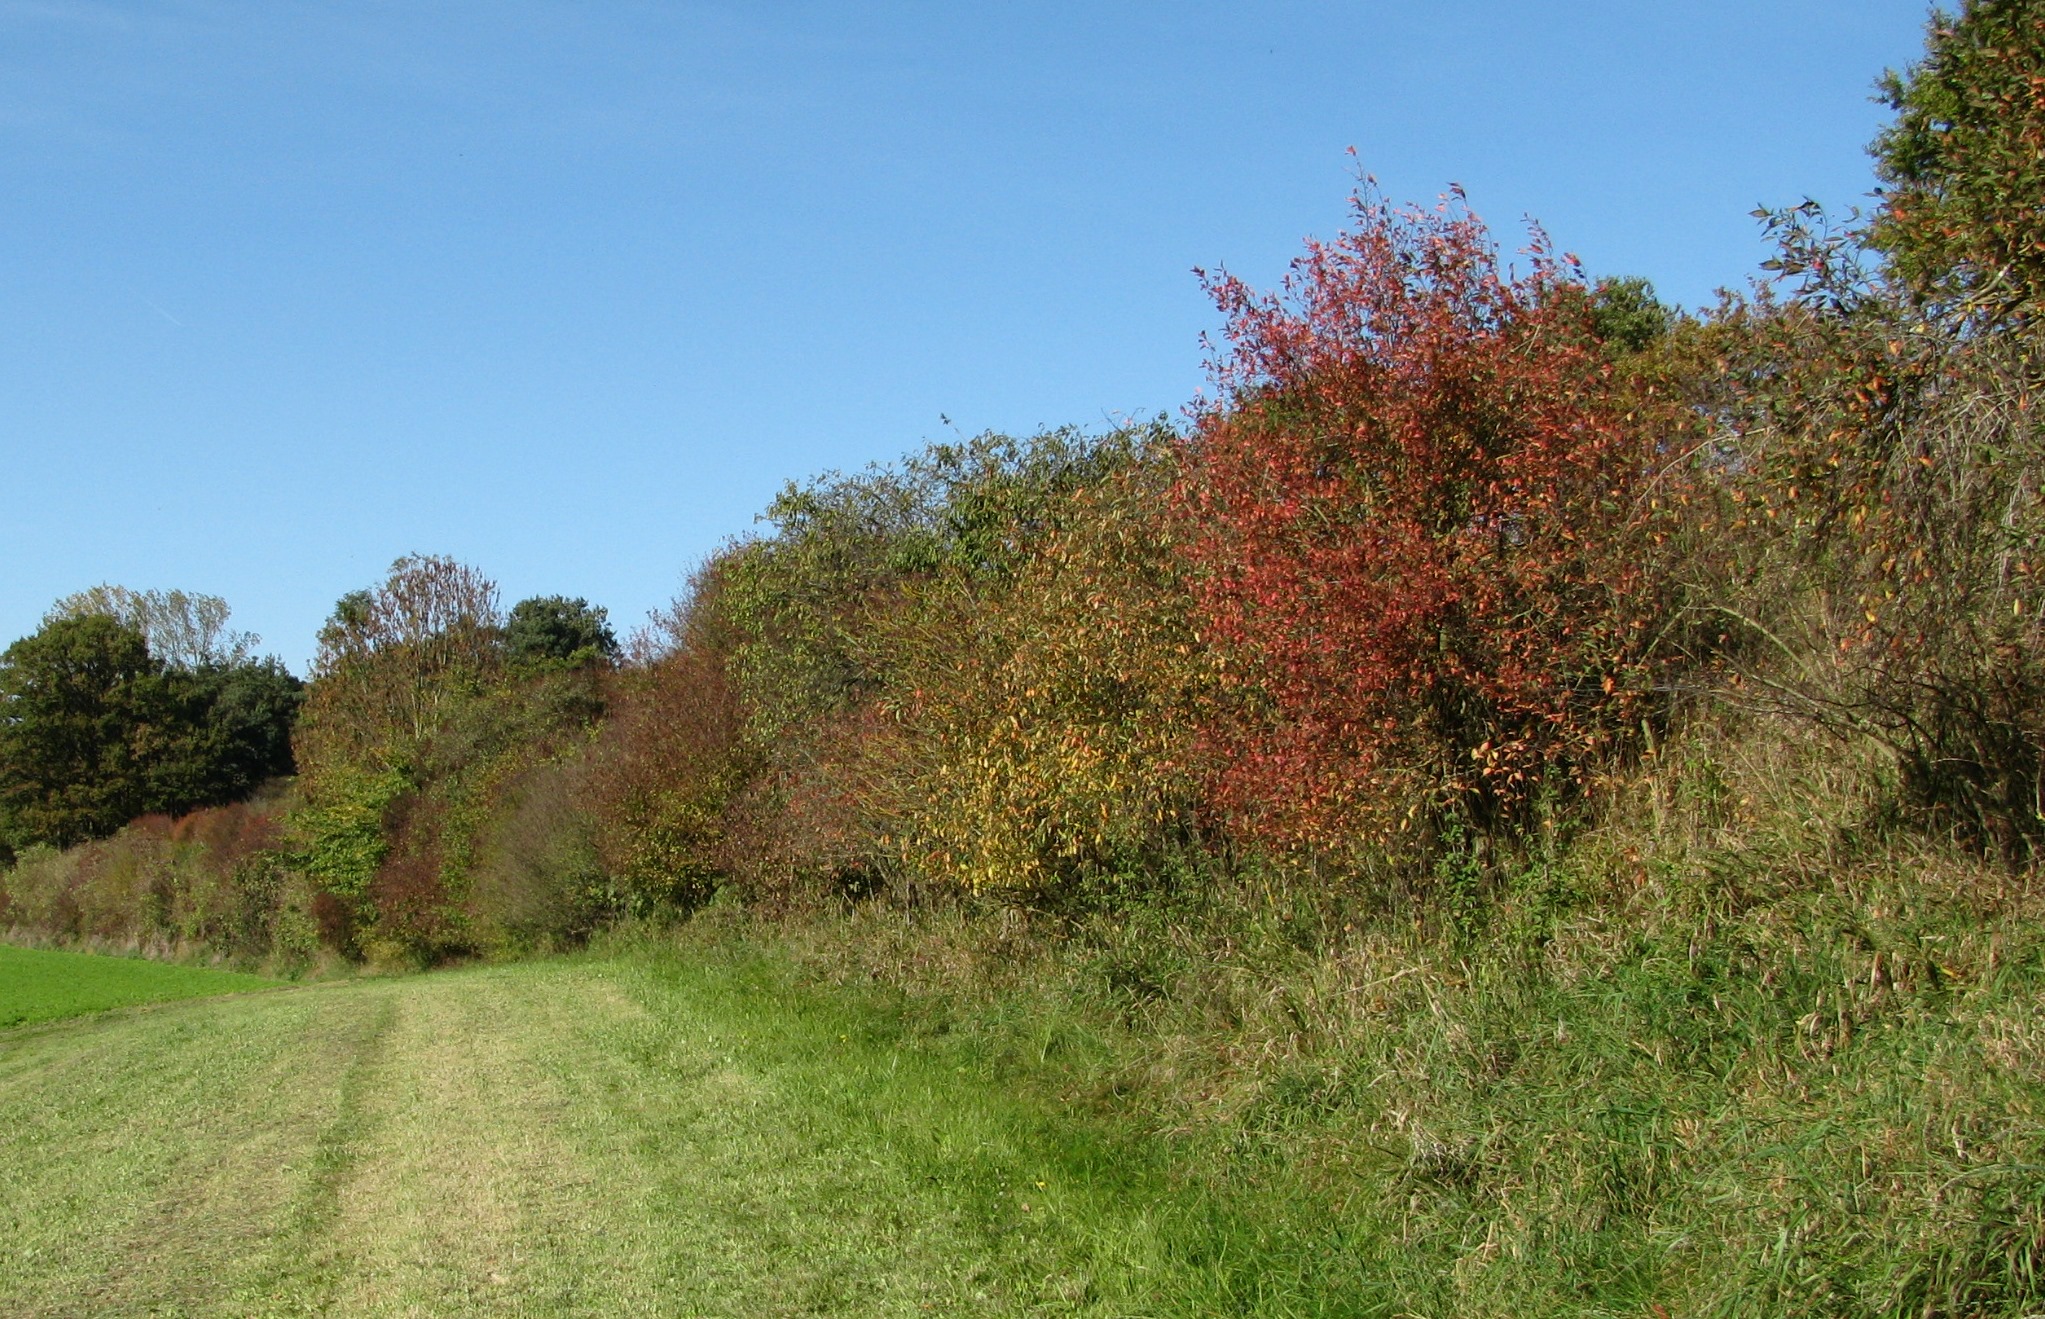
(1452, 546)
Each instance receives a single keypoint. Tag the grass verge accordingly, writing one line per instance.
(1740, 1051)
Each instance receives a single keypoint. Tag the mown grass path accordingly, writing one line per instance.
(623, 1135)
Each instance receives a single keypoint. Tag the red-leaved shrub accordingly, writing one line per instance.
(1424, 515)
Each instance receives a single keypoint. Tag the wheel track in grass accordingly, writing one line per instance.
(576, 1137)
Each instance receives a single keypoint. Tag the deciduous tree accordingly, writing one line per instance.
(72, 698)
(393, 659)
(185, 630)
(1963, 165)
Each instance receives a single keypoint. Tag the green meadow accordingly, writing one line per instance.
(633, 1134)
(733, 1121)
(39, 984)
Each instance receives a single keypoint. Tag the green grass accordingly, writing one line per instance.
(1774, 1092)
(38, 984)
(1792, 1080)
(637, 1133)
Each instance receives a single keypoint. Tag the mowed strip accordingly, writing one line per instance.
(41, 984)
(589, 1137)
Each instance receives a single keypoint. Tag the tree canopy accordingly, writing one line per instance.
(554, 630)
(96, 730)
(184, 630)
(1963, 165)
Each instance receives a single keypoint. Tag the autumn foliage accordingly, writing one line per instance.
(1057, 741)
(1425, 511)
(657, 780)
(1455, 543)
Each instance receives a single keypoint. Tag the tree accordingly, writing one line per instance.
(184, 630)
(214, 734)
(95, 730)
(1425, 514)
(392, 660)
(553, 631)
(1627, 316)
(1963, 166)
(71, 702)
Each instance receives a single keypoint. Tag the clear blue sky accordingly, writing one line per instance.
(569, 289)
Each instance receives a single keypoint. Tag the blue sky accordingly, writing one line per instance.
(568, 289)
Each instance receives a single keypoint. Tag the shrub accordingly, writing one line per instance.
(413, 917)
(124, 884)
(336, 839)
(1059, 747)
(1427, 516)
(655, 780)
(1886, 451)
(838, 623)
(1887, 532)
(221, 884)
(42, 892)
(538, 882)
(212, 880)
(814, 823)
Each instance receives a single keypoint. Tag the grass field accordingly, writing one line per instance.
(706, 1125)
(38, 984)
(632, 1134)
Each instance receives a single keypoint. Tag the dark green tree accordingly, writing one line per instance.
(216, 733)
(95, 731)
(72, 702)
(1626, 316)
(554, 631)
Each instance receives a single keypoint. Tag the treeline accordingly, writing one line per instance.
(129, 703)
(1453, 547)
